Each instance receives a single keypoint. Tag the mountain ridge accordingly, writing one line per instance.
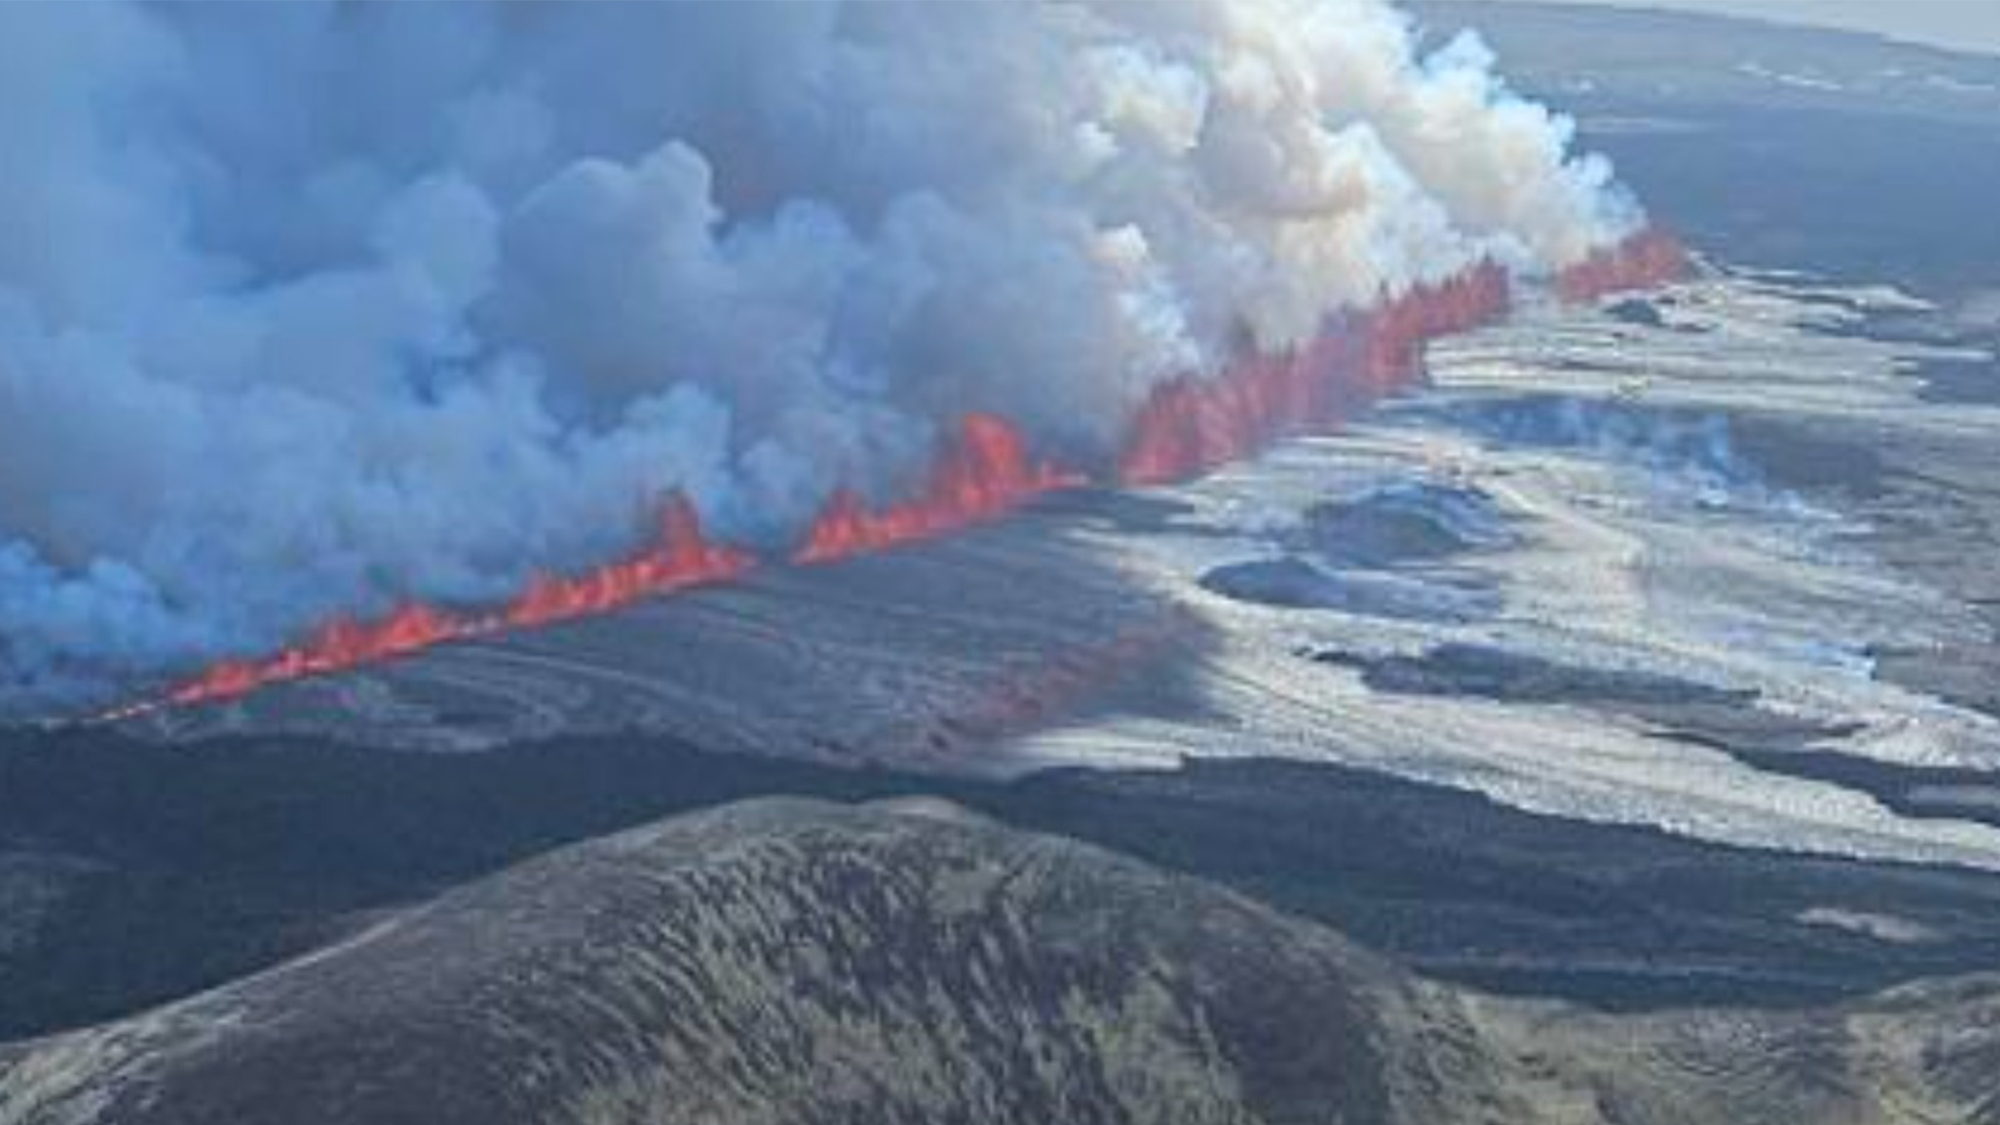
(795, 960)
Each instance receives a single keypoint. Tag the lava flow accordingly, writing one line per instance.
(982, 473)
(1191, 425)
(679, 556)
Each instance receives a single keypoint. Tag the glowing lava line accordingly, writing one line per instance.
(982, 473)
(679, 556)
(1192, 425)
(1189, 425)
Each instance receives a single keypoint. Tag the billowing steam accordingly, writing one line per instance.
(308, 309)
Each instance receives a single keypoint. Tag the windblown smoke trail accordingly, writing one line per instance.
(310, 312)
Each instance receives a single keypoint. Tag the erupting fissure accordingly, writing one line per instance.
(1647, 260)
(982, 472)
(1188, 426)
(1191, 425)
(679, 556)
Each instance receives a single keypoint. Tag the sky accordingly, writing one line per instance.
(1966, 25)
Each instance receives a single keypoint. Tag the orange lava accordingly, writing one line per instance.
(1191, 425)
(340, 643)
(1646, 260)
(679, 556)
(983, 472)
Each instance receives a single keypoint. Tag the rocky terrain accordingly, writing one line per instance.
(1760, 501)
(1732, 499)
(787, 961)
(1606, 734)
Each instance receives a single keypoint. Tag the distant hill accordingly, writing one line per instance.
(798, 962)
(1833, 152)
(1590, 55)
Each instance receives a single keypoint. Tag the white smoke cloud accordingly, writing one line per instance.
(311, 308)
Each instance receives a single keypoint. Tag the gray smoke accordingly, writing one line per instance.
(310, 308)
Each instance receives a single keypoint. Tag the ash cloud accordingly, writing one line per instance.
(311, 308)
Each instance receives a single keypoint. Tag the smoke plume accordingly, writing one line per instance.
(310, 309)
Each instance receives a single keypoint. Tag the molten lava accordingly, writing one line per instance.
(1191, 424)
(983, 472)
(1646, 260)
(340, 643)
(680, 556)
(1187, 426)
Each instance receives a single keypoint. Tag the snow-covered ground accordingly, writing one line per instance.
(1573, 494)
(1642, 541)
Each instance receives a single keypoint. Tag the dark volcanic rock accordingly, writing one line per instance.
(1637, 310)
(1512, 677)
(1297, 584)
(775, 961)
(1377, 555)
(796, 962)
(1404, 523)
(231, 858)
(1727, 719)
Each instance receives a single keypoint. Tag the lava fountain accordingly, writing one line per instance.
(681, 556)
(1647, 260)
(982, 472)
(1191, 425)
